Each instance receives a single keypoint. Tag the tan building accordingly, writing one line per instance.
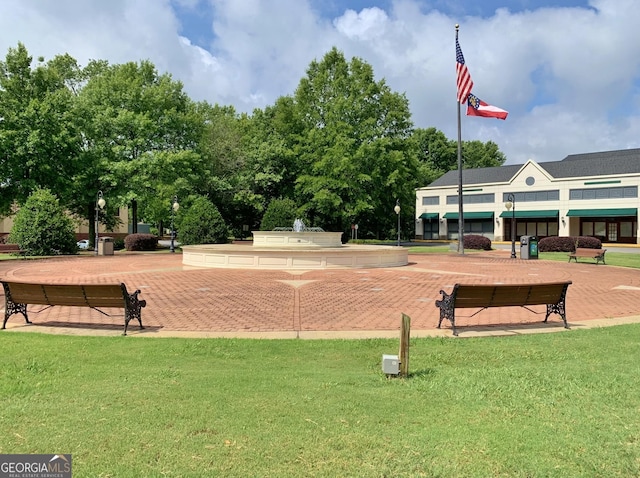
(81, 226)
(593, 194)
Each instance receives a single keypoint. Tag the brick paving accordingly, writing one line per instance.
(184, 300)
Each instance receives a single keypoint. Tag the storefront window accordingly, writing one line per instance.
(542, 229)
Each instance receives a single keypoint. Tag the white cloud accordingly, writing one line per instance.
(568, 76)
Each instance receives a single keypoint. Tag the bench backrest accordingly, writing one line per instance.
(91, 295)
(505, 295)
(588, 251)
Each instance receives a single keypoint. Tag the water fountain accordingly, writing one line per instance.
(297, 247)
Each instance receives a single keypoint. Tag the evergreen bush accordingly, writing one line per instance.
(279, 213)
(477, 242)
(202, 223)
(568, 243)
(140, 242)
(42, 227)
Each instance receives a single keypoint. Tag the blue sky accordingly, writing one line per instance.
(568, 71)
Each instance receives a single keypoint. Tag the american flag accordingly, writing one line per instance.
(465, 83)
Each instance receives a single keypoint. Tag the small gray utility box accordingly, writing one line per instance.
(391, 364)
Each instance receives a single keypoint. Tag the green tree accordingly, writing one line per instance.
(280, 213)
(39, 140)
(42, 227)
(269, 167)
(141, 132)
(477, 154)
(223, 162)
(202, 223)
(356, 160)
(438, 154)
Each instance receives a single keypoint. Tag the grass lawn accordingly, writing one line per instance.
(561, 404)
(623, 259)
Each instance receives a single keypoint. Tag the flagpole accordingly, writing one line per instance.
(460, 208)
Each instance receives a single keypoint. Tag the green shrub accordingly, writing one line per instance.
(42, 227)
(279, 213)
(568, 244)
(588, 242)
(202, 223)
(141, 242)
(473, 241)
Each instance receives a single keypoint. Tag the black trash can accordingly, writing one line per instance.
(528, 247)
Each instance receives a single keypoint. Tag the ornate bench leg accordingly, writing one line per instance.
(559, 308)
(133, 310)
(447, 310)
(10, 307)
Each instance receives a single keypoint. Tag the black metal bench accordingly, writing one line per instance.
(597, 254)
(483, 296)
(20, 294)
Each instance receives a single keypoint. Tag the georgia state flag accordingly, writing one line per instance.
(477, 107)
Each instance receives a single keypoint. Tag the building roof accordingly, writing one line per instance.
(607, 163)
(496, 174)
(626, 161)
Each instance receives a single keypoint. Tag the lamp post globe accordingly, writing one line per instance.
(397, 211)
(100, 204)
(511, 206)
(174, 208)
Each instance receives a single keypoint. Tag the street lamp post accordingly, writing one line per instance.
(174, 208)
(397, 210)
(511, 206)
(100, 203)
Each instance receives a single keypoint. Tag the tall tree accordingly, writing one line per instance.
(356, 160)
(140, 132)
(477, 154)
(438, 154)
(270, 167)
(39, 141)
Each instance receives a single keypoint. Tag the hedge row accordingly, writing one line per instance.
(141, 242)
(477, 242)
(568, 244)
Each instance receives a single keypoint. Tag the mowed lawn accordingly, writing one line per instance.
(548, 405)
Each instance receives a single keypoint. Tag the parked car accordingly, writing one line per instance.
(83, 244)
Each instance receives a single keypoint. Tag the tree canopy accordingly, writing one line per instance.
(39, 138)
(342, 146)
(353, 146)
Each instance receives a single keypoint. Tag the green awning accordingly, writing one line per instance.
(470, 215)
(551, 213)
(630, 211)
(429, 215)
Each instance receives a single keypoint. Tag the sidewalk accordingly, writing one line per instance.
(347, 303)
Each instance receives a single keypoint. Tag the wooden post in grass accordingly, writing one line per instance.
(403, 355)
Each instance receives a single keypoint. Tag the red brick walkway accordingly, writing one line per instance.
(360, 301)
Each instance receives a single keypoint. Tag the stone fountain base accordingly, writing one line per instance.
(295, 240)
(287, 249)
(233, 256)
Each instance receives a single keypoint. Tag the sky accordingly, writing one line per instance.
(568, 71)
